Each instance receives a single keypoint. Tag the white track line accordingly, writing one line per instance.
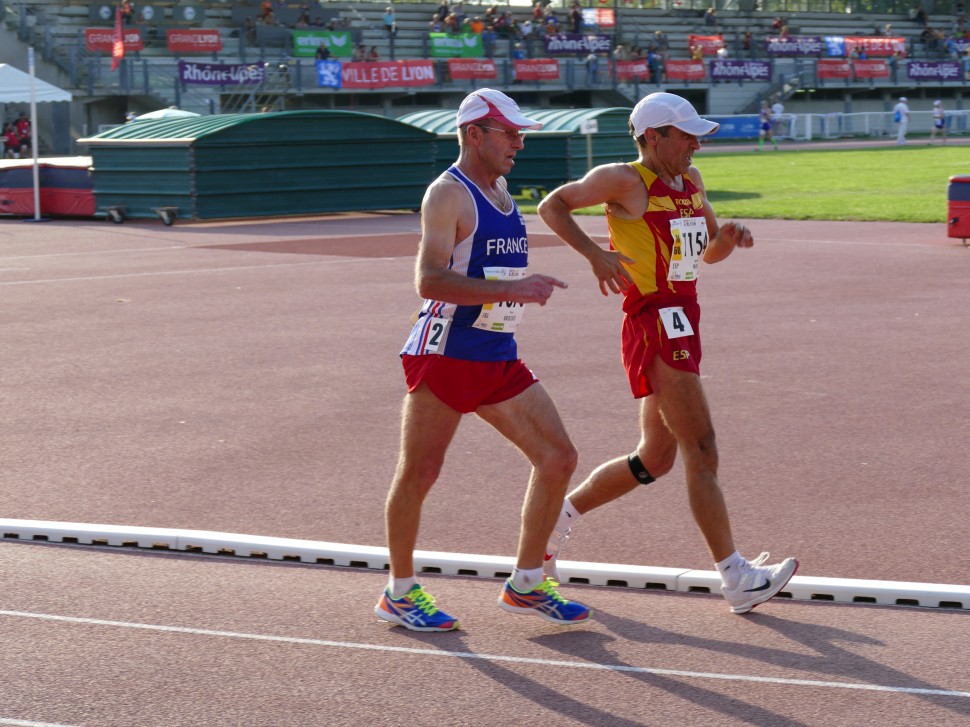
(501, 658)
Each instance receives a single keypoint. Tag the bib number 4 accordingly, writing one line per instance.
(675, 322)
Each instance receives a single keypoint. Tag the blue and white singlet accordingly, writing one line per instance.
(497, 249)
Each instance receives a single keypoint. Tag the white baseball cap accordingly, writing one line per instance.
(937, 102)
(903, 98)
(487, 103)
(667, 109)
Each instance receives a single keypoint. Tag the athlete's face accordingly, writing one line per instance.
(500, 143)
(675, 150)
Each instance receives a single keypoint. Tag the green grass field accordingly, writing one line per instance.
(907, 184)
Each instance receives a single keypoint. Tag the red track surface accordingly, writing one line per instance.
(243, 377)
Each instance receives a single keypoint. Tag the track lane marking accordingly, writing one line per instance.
(487, 657)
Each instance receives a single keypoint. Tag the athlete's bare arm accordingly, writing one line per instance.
(619, 187)
(447, 218)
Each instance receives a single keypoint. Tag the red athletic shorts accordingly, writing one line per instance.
(644, 337)
(467, 385)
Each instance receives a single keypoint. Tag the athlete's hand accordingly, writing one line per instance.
(736, 235)
(609, 271)
(535, 288)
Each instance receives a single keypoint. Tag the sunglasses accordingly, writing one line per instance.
(511, 134)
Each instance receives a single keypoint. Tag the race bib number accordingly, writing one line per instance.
(690, 241)
(437, 335)
(503, 316)
(675, 322)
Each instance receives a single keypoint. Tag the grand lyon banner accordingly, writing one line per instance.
(102, 39)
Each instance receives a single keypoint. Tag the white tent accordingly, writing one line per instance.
(19, 87)
(15, 87)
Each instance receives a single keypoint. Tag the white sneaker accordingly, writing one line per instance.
(759, 583)
(550, 566)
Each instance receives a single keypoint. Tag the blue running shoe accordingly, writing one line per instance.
(415, 610)
(544, 602)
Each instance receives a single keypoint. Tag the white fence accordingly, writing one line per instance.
(805, 127)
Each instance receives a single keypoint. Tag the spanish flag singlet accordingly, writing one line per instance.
(667, 244)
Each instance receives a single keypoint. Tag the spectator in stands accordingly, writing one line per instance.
(655, 64)
(776, 24)
(390, 22)
(303, 21)
(592, 62)
(620, 53)
(373, 55)
(443, 11)
(265, 10)
(696, 52)
(551, 20)
(127, 11)
(745, 44)
(360, 53)
(576, 18)
(451, 24)
(710, 19)
(939, 121)
(919, 14)
(489, 38)
(476, 25)
(12, 148)
(436, 25)
(894, 60)
(660, 38)
(323, 52)
(22, 127)
(518, 52)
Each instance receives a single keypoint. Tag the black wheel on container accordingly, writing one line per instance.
(116, 215)
(168, 217)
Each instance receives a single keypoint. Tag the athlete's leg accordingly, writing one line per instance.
(681, 400)
(427, 428)
(531, 422)
(657, 450)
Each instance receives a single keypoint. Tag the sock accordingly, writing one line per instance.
(568, 516)
(526, 580)
(730, 569)
(761, 144)
(397, 587)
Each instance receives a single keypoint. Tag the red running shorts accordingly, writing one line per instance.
(467, 385)
(644, 337)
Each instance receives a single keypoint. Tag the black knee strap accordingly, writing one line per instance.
(638, 470)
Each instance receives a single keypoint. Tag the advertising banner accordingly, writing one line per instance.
(795, 45)
(875, 46)
(382, 74)
(839, 47)
(729, 70)
(736, 127)
(102, 39)
(599, 17)
(559, 44)
(832, 68)
(681, 70)
(193, 40)
(537, 69)
(221, 74)
(628, 70)
(461, 45)
(710, 44)
(329, 74)
(461, 68)
(870, 69)
(306, 42)
(933, 70)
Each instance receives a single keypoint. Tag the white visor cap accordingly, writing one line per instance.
(667, 109)
(487, 103)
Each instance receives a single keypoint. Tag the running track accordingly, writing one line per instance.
(242, 377)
